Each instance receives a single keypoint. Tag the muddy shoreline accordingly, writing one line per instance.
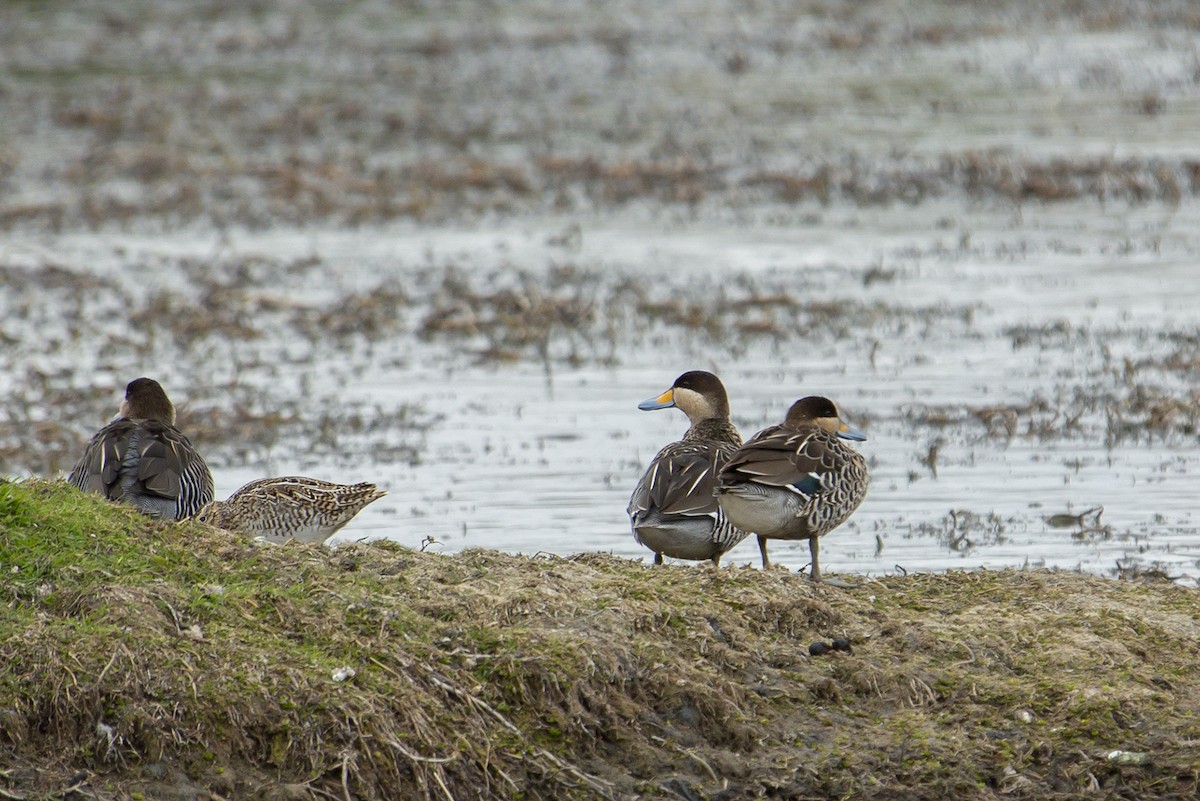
(296, 672)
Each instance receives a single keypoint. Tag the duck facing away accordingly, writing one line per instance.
(141, 458)
(290, 508)
(796, 480)
(673, 511)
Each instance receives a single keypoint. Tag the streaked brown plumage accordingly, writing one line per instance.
(796, 480)
(141, 458)
(673, 511)
(290, 508)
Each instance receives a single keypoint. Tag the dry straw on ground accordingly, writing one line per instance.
(150, 660)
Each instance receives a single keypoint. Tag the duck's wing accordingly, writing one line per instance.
(680, 480)
(148, 463)
(98, 470)
(782, 457)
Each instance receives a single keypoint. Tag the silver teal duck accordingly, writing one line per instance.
(796, 480)
(290, 508)
(673, 511)
(141, 458)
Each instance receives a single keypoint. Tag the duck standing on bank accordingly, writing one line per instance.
(142, 459)
(290, 508)
(673, 511)
(796, 480)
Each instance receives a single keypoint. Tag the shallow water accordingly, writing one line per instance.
(552, 462)
(987, 310)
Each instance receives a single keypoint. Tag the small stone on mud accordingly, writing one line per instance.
(1127, 757)
(289, 792)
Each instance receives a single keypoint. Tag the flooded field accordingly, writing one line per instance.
(450, 251)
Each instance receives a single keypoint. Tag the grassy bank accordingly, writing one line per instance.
(152, 660)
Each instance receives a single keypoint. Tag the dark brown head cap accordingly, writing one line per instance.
(697, 393)
(707, 385)
(145, 399)
(819, 412)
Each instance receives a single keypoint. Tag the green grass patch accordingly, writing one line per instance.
(169, 658)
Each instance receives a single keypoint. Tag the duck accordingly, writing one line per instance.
(141, 458)
(797, 480)
(673, 510)
(290, 508)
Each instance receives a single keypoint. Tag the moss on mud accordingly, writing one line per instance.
(141, 659)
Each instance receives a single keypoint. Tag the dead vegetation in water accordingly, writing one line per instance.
(143, 658)
(576, 315)
(1122, 410)
(517, 317)
(350, 194)
(985, 175)
(246, 323)
(251, 331)
(289, 127)
(233, 325)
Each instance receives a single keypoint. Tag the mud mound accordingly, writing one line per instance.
(160, 660)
